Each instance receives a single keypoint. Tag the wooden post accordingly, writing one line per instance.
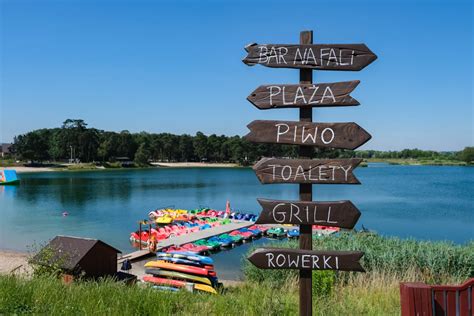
(140, 235)
(306, 193)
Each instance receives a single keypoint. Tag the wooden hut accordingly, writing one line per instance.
(89, 258)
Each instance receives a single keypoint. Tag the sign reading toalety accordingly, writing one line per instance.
(321, 56)
(322, 171)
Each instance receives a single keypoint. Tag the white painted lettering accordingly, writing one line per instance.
(270, 257)
(279, 132)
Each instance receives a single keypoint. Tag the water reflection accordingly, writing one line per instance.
(423, 202)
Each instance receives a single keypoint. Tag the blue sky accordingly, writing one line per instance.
(175, 66)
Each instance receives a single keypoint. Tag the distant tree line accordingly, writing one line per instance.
(75, 140)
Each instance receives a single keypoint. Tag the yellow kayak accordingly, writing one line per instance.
(205, 288)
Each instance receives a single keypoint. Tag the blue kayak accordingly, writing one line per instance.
(165, 288)
(185, 255)
(199, 264)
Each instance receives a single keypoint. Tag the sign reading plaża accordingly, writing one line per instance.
(304, 95)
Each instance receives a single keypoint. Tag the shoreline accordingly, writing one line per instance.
(16, 263)
(195, 165)
(153, 165)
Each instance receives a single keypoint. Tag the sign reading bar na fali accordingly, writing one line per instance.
(304, 95)
(330, 135)
(306, 56)
(342, 214)
(322, 56)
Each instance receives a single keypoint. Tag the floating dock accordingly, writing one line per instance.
(186, 238)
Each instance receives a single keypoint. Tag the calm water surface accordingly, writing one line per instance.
(422, 202)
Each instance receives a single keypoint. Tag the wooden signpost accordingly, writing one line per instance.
(342, 214)
(306, 171)
(328, 171)
(330, 135)
(307, 56)
(304, 95)
(277, 258)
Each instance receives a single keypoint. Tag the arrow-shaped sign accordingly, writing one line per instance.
(332, 135)
(337, 214)
(304, 95)
(320, 56)
(281, 258)
(323, 171)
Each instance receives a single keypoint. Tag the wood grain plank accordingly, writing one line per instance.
(352, 57)
(324, 135)
(342, 214)
(322, 171)
(285, 258)
(304, 95)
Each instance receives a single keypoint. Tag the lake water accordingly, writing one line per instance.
(422, 202)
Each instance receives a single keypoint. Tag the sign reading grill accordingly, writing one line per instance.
(342, 214)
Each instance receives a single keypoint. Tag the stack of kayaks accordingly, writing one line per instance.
(176, 270)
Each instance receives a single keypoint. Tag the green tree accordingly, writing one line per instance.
(467, 154)
(33, 146)
(201, 148)
(143, 154)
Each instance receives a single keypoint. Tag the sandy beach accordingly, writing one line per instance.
(194, 165)
(22, 169)
(13, 262)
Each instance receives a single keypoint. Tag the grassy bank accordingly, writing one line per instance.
(49, 296)
(419, 162)
(388, 261)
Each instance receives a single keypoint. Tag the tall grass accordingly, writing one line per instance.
(46, 295)
(403, 259)
(265, 292)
